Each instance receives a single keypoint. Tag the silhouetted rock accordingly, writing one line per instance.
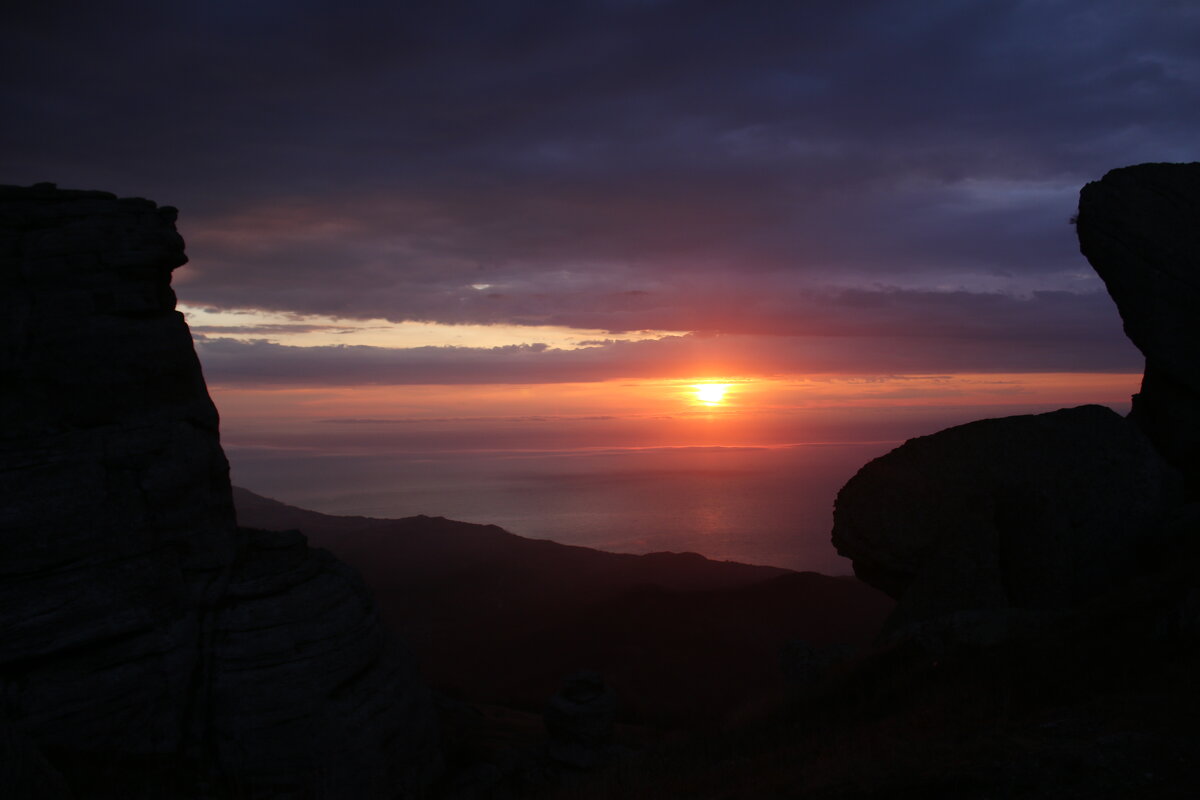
(580, 721)
(1030, 512)
(150, 649)
(305, 681)
(24, 772)
(1139, 227)
(805, 663)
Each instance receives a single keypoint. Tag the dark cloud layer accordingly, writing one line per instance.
(860, 170)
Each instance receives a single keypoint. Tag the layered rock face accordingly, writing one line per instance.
(1046, 511)
(149, 647)
(1140, 229)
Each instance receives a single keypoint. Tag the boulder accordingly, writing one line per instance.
(151, 648)
(580, 720)
(806, 664)
(1139, 227)
(1028, 512)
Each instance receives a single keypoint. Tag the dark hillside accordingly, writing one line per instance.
(500, 618)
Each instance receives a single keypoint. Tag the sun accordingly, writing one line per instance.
(711, 394)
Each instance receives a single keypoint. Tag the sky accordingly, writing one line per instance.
(539, 212)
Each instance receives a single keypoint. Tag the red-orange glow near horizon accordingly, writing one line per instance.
(738, 403)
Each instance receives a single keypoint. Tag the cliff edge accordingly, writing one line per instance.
(150, 648)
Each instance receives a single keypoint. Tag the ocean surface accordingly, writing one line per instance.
(758, 505)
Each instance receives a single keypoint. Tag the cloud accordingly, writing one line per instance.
(267, 329)
(553, 418)
(619, 165)
(859, 332)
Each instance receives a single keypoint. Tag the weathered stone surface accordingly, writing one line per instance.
(24, 771)
(1033, 512)
(300, 658)
(1139, 227)
(149, 648)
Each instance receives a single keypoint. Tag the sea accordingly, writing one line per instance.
(765, 502)
(756, 505)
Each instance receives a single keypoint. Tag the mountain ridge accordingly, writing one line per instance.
(683, 639)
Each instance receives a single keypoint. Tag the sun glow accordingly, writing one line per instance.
(711, 394)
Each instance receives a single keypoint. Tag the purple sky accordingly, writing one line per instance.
(859, 187)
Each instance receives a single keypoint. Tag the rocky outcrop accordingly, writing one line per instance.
(1044, 512)
(305, 681)
(1140, 229)
(1029, 512)
(150, 648)
(580, 720)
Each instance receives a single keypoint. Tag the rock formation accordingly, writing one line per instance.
(150, 647)
(580, 720)
(1140, 228)
(1046, 511)
(1034, 511)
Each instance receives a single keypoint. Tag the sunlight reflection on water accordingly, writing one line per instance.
(764, 506)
